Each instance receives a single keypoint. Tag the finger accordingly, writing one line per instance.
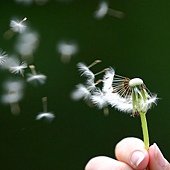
(157, 160)
(132, 151)
(106, 163)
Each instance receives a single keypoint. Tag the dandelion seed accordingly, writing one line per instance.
(104, 9)
(85, 70)
(101, 97)
(18, 26)
(14, 65)
(81, 92)
(84, 91)
(13, 94)
(3, 57)
(67, 50)
(10, 62)
(26, 44)
(108, 80)
(34, 77)
(19, 68)
(46, 115)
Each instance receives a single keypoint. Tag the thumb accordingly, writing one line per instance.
(156, 159)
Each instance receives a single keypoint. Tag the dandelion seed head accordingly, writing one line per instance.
(135, 82)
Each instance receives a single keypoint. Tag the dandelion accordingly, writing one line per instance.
(139, 98)
(13, 94)
(3, 57)
(34, 77)
(122, 93)
(46, 115)
(67, 50)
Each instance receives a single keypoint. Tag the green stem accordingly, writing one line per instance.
(144, 129)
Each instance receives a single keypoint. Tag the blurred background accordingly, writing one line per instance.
(131, 36)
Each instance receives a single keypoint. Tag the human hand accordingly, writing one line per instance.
(131, 155)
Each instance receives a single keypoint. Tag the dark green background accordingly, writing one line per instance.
(136, 46)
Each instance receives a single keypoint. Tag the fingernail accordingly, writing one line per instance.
(159, 156)
(136, 158)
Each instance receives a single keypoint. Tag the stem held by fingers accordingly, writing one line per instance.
(144, 129)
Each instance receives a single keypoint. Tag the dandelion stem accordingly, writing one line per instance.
(144, 129)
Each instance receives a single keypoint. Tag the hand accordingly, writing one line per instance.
(131, 155)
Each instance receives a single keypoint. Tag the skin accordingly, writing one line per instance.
(131, 154)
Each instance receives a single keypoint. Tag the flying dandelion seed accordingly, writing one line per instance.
(26, 45)
(19, 68)
(84, 91)
(67, 50)
(89, 91)
(13, 94)
(104, 9)
(14, 65)
(18, 26)
(45, 115)
(11, 61)
(3, 57)
(34, 77)
(15, 27)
